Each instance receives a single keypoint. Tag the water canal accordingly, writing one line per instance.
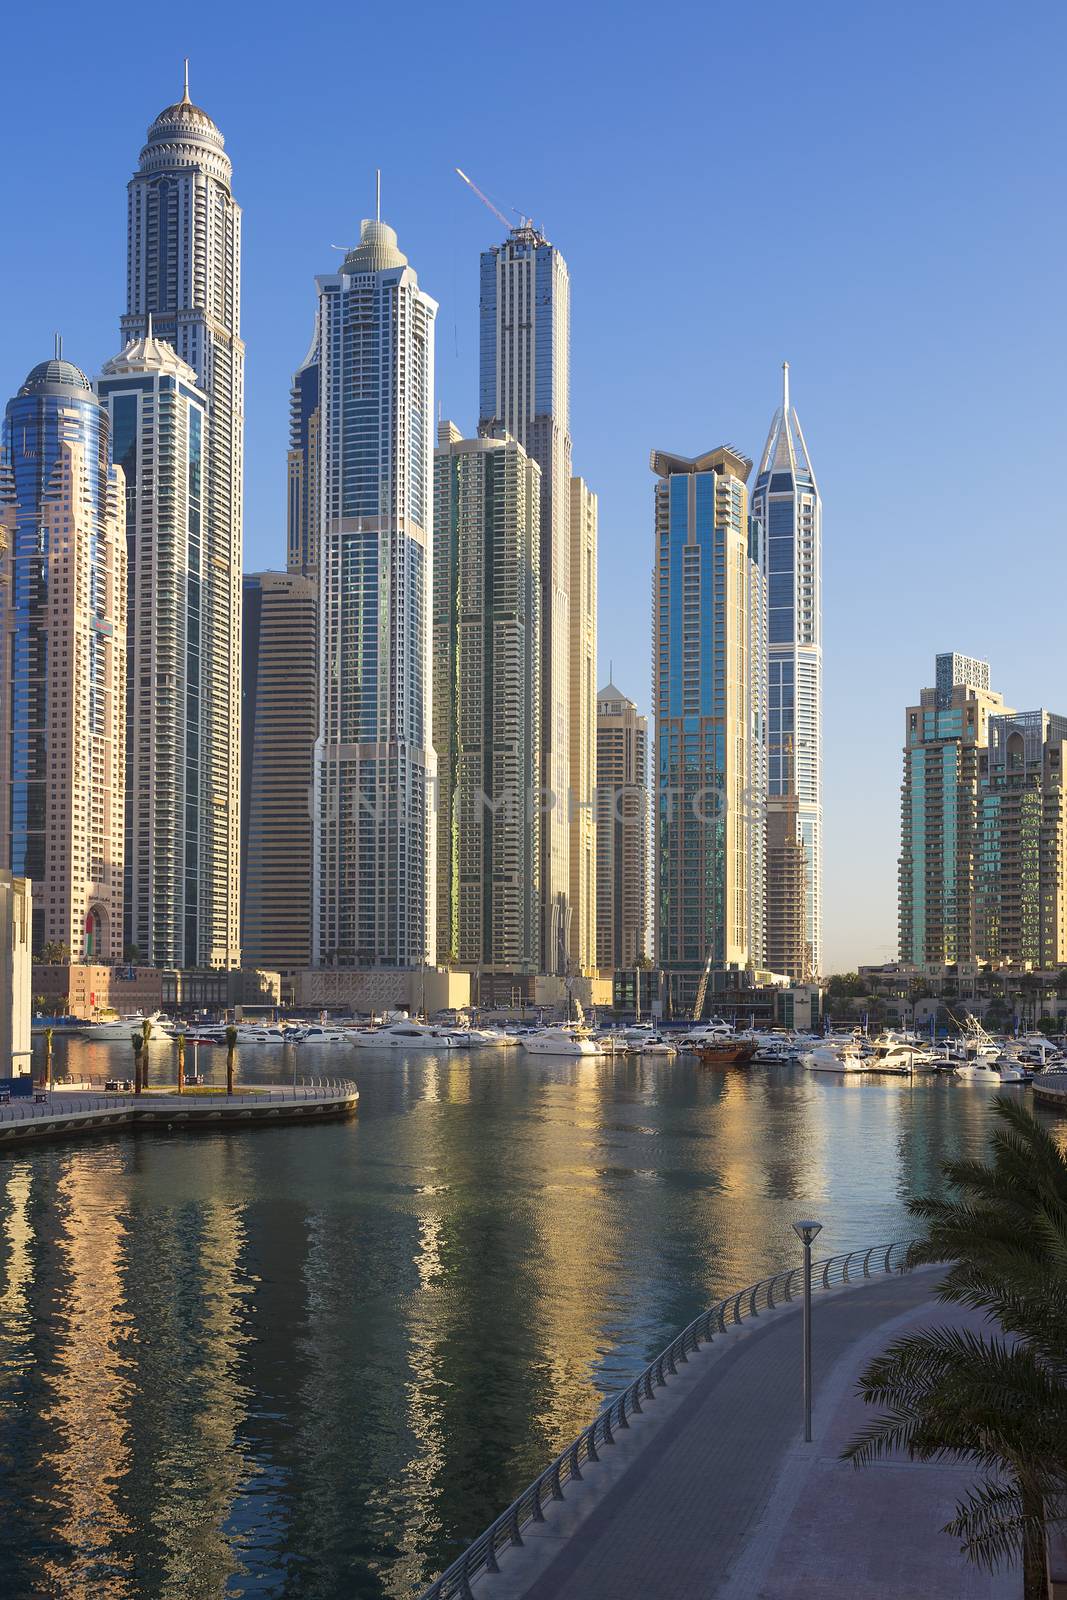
(314, 1362)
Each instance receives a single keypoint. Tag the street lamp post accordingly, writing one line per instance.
(805, 1232)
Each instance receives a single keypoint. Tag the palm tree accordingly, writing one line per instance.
(49, 1034)
(998, 1403)
(231, 1051)
(181, 1062)
(137, 1040)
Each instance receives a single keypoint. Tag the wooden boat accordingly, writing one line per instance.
(726, 1052)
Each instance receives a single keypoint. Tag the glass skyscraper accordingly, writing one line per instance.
(524, 386)
(157, 412)
(786, 501)
(709, 677)
(486, 703)
(304, 466)
(184, 271)
(374, 764)
(945, 737)
(63, 662)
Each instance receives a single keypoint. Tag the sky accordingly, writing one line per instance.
(875, 194)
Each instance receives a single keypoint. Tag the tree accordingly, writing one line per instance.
(644, 962)
(131, 954)
(54, 954)
(231, 1050)
(844, 986)
(998, 1403)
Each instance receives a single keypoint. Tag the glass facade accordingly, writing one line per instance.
(61, 775)
(709, 651)
(786, 501)
(374, 766)
(158, 417)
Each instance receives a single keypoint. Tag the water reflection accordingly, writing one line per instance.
(307, 1363)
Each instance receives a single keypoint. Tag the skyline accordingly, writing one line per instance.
(874, 290)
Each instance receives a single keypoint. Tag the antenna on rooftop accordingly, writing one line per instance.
(378, 193)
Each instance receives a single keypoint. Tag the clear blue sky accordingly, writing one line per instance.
(875, 193)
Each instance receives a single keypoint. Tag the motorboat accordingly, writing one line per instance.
(1001, 1069)
(408, 1036)
(775, 1049)
(315, 1033)
(842, 1057)
(561, 1041)
(648, 1044)
(124, 1028)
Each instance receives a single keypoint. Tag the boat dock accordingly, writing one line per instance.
(71, 1114)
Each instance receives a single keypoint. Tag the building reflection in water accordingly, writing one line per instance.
(311, 1364)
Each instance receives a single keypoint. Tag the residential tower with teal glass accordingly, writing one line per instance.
(709, 702)
(945, 736)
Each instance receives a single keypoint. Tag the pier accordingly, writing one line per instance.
(73, 1114)
(696, 1480)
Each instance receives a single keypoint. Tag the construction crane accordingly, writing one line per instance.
(484, 198)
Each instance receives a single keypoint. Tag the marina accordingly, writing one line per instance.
(323, 1362)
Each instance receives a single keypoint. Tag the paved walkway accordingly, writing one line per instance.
(712, 1492)
(66, 1113)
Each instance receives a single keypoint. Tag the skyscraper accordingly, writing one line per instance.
(524, 386)
(709, 678)
(157, 411)
(785, 499)
(279, 720)
(184, 270)
(486, 702)
(304, 466)
(374, 765)
(583, 539)
(621, 831)
(944, 737)
(1022, 840)
(63, 662)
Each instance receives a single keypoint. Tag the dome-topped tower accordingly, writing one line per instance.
(184, 135)
(56, 377)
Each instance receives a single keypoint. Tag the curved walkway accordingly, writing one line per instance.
(712, 1492)
(68, 1114)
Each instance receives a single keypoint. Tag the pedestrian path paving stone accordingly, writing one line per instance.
(712, 1492)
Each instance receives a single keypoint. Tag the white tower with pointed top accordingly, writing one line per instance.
(184, 273)
(786, 500)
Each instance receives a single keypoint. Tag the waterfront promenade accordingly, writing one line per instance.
(711, 1492)
(73, 1114)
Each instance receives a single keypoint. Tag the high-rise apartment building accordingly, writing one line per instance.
(279, 720)
(374, 764)
(944, 737)
(583, 725)
(785, 499)
(524, 386)
(63, 662)
(157, 411)
(709, 678)
(184, 271)
(622, 837)
(1022, 840)
(304, 465)
(487, 702)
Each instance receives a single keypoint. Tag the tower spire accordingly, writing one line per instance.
(185, 95)
(378, 193)
(785, 388)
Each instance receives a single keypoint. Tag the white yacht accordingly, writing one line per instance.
(315, 1033)
(774, 1049)
(407, 1036)
(126, 1026)
(998, 1069)
(650, 1044)
(560, 1041)
(831, 1056)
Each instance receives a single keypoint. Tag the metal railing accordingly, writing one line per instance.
(66, 1103)
(765, 1295)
